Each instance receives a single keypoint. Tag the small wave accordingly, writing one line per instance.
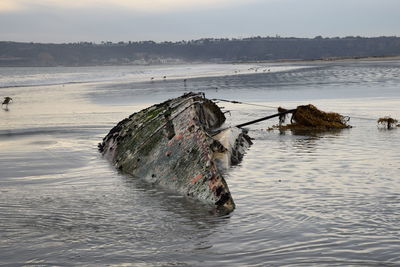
(29, 77)
(43, 84)
(51, 130)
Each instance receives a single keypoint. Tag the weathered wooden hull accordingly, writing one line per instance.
(171, 144)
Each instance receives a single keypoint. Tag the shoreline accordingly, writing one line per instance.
(332, 59)
(284, 60)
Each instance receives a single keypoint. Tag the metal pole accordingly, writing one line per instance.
(266, 118)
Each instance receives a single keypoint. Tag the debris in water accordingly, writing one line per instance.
(388, 122)
(178, 144)
(309, 117)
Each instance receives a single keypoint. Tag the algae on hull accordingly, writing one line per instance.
(171, 144)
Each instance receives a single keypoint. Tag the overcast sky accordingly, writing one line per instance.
(170, 20)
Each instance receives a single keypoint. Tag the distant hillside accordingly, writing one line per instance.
(203, 50)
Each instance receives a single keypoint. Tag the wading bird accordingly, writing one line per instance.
(6, 101)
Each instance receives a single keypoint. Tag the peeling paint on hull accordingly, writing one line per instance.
(171, 144)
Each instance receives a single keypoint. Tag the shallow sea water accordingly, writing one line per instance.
(322, 199)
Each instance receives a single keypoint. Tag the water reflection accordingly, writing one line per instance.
(307, 141)
(106, 219)
(171, 201)
(317, 133)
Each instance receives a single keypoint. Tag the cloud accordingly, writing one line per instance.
(9, 5)
(148, 6)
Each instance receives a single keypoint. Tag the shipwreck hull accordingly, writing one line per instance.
(172, 144)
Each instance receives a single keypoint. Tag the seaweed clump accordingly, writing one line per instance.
(309, 117)
(388, 122)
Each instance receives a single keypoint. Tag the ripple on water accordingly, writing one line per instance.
(313, 199)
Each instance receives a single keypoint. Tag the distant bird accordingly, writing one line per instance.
(152, 78)
(165, 77)
(184, 80)
(6, 101)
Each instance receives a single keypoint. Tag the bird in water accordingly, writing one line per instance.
(6, 101)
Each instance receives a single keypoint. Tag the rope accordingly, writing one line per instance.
(347, 118)
(363, 118)
(243, 103)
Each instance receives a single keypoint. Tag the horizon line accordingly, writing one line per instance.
(204, 38)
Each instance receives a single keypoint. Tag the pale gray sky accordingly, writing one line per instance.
(170, 20)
